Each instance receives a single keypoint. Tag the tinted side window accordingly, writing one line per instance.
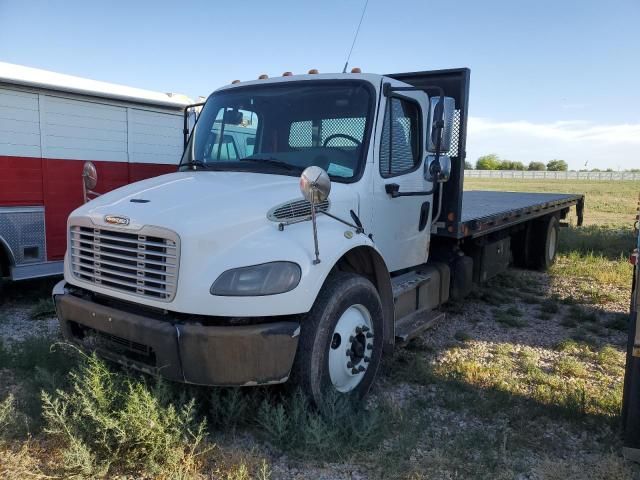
(400, 142)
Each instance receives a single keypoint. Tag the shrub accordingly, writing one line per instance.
(337, 429)
(114, 424)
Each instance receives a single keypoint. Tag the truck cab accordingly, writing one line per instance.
(337, 234)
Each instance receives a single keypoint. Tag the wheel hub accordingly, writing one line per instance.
(351, 348)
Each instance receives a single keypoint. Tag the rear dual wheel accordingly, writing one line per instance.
(536, 245)
(341, 339)
(545, 242)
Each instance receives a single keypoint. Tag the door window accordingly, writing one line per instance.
(400, 142)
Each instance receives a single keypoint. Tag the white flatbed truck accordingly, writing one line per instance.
(223, 273)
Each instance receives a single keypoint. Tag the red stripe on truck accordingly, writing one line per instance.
(57, 185)
(20, 181)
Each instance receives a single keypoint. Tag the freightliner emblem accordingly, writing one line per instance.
(116, 219)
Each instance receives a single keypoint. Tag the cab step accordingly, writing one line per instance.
(407, 282)
(415, 323)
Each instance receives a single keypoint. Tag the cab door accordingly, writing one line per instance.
(401, 199)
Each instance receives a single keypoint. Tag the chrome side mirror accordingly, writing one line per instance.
(89, 180)
(315, 184)
(440, 123)
(437, 171)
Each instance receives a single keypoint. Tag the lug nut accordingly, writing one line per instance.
(365, 328)
(366, 359)
(358, 330)
(352, 339)
(369, 335)
(361, 368)
(354, 370)
(349, 353)
(369, 347)
(349, 365)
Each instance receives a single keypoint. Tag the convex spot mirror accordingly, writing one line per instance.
(315, 184)
(434, 174)
(89, 175)
(440, 122)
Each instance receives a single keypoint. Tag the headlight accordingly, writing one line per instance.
(265, 279)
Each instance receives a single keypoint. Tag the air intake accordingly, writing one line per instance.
(295, 210)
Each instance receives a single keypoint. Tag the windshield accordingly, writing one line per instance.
(284, 128)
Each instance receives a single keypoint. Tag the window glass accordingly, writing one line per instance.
(400, 142)
(282, 129)
(238, 127)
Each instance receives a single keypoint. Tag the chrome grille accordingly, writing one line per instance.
(294, 210)
(144, 262)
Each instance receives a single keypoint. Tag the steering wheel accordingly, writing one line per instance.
(341, 135)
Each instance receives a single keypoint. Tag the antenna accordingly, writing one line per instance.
(355, 37)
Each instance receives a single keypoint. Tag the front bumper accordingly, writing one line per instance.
(204, 355)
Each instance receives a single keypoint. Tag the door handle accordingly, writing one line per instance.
(393, 189)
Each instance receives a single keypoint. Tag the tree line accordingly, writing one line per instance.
(494, 162)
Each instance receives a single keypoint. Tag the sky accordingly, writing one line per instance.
(549, 79)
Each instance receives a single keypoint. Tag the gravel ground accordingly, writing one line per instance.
(424, 460)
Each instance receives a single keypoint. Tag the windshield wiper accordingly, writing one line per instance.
(195, 164)
(270, 161)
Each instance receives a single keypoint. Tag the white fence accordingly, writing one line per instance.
(528, 175)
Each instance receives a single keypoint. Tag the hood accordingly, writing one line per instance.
(189, 201)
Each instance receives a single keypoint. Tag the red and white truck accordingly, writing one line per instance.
(50, 125)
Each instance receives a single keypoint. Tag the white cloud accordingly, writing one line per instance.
(577, 141)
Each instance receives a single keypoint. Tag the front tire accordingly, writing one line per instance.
(340, 345)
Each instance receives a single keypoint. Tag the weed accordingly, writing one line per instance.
(462, 336)
(510, 317)
(530, 299)
(337, 429)
(544, 316)
(611, 360)
(111, 424)
(549, 306)
(43, 308)
(453, 307)
(7, 415)
(618, 321)
(570, 367)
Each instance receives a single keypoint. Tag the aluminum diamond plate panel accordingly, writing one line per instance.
(22, 230)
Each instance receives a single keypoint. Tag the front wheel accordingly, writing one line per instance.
(340, 339)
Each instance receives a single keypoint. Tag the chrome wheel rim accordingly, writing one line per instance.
(351, 348)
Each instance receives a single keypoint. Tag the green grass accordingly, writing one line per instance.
(510, 317)
(606, 202)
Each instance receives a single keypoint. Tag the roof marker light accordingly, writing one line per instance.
(264, 76)
(356, 70)
(287, 74)
(235, 81)
(313, 71)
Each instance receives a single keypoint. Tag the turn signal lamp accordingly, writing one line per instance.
(313, 71)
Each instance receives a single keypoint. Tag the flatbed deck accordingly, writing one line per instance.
(486, 211)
